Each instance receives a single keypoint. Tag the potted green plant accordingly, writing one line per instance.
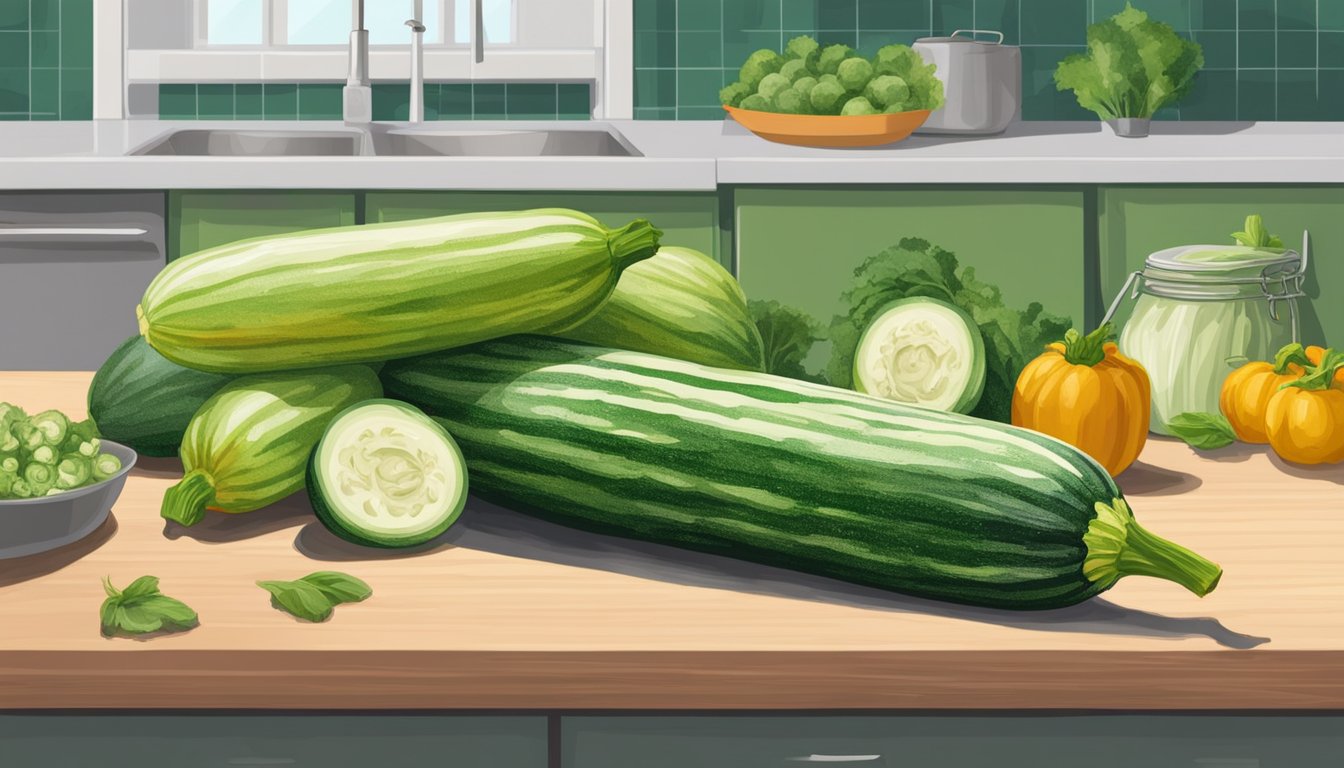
(1133, 67)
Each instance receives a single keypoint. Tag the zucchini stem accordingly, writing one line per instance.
(1118, 546)
(634, 242)
(185, 502)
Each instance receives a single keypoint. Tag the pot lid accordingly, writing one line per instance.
(1221, 259)
(965, 36)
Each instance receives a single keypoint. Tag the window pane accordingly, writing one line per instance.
(319, 22)
(386, 21)
(233, 22)
(498, 20)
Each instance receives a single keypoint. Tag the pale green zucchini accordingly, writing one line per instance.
(381, 291)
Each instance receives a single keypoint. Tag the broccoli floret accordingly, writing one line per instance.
(804, 85)
(896, 60)
(791, 102)
(827, 97)
(755, 102)
(858, 106)
(733, 94)
(772, 85)
(831, 56)
(805, 49)
(887, 90)
(758, 65)
(794, 69)
(854, 73)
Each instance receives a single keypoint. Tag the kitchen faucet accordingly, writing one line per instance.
(417, 104)
(357, 98)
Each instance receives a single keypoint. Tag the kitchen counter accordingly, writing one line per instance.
(691, 156)
(509, 612)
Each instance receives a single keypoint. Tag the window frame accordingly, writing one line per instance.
(275, 27)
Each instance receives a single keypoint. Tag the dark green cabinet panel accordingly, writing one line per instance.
(1136, 221)
(200, 220)
(690, 220)
(297, 741)
(800, 246)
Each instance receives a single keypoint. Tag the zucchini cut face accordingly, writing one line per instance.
(386, 475)
(923, 352)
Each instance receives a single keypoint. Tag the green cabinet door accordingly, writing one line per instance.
(198, 220)
(1136, 221)
(690, 220)
(800, 246)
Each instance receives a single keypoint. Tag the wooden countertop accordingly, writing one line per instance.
(507, 612)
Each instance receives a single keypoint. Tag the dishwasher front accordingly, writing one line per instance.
(72, 268)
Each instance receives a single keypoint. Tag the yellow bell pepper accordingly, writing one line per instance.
(1305, 419)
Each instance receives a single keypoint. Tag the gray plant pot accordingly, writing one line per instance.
(1130, 127)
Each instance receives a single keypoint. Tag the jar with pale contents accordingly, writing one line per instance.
(1199, 307)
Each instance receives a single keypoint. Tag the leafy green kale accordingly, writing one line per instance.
(1133, 66)
(788, 335)
(914, 267)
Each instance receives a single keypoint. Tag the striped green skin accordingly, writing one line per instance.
(681, 304)
(764, 468)
(253, 437)
(381, 291)
(144, 400)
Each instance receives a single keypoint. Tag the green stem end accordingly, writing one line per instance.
(634, 242)
(1291, 354)
(1086, 350)
(1322, 376)
(185, 502)
(1117, 546)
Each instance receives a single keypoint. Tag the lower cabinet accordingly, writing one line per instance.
(292, 741)
(1136, 221)
(688, 219)
(199, 219)
(951, 741)
(800, 245)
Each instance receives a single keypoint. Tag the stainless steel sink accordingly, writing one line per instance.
(230, 142)
(577, 142)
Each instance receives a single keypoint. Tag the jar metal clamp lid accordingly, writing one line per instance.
(1222, 273)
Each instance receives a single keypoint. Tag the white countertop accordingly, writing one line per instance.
(687, 156)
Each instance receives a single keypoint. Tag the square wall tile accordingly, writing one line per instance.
(1255, 49)
(574, 100)
(45, 14)
(1054, 22)
(46, 91)
(1214, 97)
(838, 14)
(14, 15)
(699, 88)
(455, 101)
(700, 49)
(1213, 14)
(14, 50)
(45, 47)
(739, 44)
(248, 101)
(656, 14)
(76, 94)
(1256, 14)
(655, 49)
(214, 101)
(886, 14)
(77, 33)
(1330, 15)
(1298, 96)
(177, 101)
(693, 15)
(1298, 14)
(531, 101)
(951, 15)
(392, 101)
(1332, 52)
(655, 88)
(799, 14)
(1296, 50)
(1220, 48)
(1331, 84)
(751, 14)
(490, 101)
(999, 16)
(323, 101)
(14, 89)
(280, 101)
(1257, 97)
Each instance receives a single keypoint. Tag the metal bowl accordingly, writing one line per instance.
(28, 526)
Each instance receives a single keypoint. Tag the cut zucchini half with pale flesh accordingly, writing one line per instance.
(384, 474)
(923, 352)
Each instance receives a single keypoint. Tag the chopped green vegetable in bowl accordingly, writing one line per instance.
(46, 454)
(811, 79)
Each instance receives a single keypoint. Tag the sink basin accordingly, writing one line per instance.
(255, 143)
(578, 142)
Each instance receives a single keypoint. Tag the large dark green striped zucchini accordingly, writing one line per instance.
(381, 291)
(681, 304)
(784, 472)
(142, 399)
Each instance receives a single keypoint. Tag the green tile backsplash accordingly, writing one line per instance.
(391, 101)
(46, 59)
(1264, 59)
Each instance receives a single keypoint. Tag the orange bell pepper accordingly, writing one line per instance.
(1247, 391)
(1305, 419)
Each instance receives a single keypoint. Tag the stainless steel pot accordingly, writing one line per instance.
(982, 82)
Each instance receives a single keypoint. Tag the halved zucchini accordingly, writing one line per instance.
(385, 475)
(923, 352)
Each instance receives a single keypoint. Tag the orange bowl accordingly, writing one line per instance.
(830, 130)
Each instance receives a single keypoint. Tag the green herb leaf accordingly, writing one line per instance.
(1204, 431)
(339, 587)
(300, 599)
(787, 336)
(141, 608)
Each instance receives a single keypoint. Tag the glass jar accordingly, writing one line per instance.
(1200, 306)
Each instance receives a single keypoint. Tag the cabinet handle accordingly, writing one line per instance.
(58, 233)
(836, 759)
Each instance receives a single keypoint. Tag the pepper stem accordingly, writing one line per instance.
(185, 502)
(1322, 376)
(1117, 546)
(1086, 350)
(1291, 354)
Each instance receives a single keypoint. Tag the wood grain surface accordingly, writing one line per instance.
(509, 612)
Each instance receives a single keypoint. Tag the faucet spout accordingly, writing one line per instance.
(417, 102)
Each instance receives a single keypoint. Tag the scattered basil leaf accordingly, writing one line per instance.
(1204, 431)
(300, 599)
(339, 587)
(141, 608)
